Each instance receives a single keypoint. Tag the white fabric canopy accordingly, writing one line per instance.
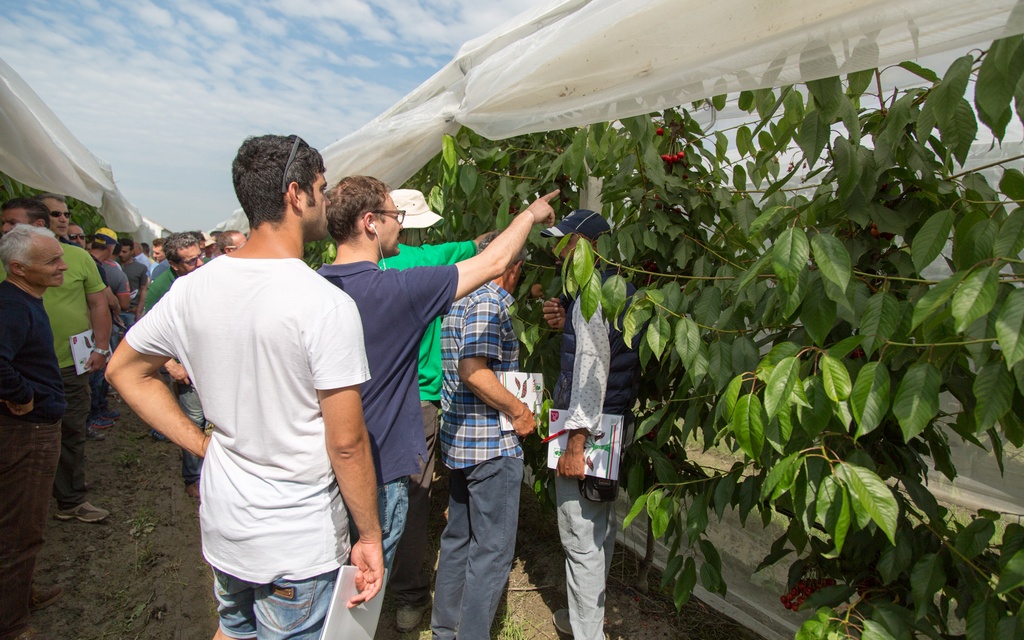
(39, 151)
(578, 62)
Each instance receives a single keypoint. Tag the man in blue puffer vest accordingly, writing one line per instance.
(599, 375)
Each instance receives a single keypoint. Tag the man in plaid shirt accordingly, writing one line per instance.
(486, 463)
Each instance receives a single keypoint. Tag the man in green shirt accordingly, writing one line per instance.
(409, 581)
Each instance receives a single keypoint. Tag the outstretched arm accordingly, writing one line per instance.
(495, 259)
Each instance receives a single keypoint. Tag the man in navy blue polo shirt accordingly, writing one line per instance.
(396, 307)
(32, 403)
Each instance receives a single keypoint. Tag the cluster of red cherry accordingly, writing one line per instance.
(672, 158)
(802, 590)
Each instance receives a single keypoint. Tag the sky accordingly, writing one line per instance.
(165, 92)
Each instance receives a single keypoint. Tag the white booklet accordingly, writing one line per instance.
(81, 349)
(357, 623)
(528, 387)
(602, 455)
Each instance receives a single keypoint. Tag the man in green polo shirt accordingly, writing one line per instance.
(409, 581)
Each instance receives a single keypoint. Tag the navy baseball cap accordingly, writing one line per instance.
(585, 222)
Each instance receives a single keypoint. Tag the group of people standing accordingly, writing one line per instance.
(325, 391)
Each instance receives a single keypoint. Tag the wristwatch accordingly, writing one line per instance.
(103, 352)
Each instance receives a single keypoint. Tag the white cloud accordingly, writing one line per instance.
(166, 91)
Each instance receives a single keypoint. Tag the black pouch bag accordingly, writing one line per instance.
(599, 489)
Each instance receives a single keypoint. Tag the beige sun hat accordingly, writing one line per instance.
(417, 214)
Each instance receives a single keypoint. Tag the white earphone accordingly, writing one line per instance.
(374, 227)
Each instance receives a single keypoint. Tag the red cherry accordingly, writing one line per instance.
(680, 155)
(659, 131)
(665, 157)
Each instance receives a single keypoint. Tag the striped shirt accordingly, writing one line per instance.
(479, 325)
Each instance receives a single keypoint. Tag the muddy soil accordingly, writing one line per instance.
(141, 574)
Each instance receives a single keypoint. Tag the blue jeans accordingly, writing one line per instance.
(188, 400)
(279, 610)
(477, 548)
(98, 384)
(392, 507)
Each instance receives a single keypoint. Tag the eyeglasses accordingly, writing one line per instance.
(76, 236)
(60, 214)
(288, 165)
(191, 262)
(397, 214)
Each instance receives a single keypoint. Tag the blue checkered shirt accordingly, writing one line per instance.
(479, 325)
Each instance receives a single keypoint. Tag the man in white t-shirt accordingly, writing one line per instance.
(276, 355)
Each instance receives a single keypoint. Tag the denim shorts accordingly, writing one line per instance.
(280, 610)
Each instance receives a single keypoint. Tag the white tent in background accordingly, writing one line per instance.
(578, 62)
(38, 150)
(149, 230)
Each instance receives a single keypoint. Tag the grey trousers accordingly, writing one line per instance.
(587, 532)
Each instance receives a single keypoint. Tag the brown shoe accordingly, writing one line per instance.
(192, 490)
(43, 597)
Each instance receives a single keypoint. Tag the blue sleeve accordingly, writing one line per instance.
(14, 327)
(430, 290)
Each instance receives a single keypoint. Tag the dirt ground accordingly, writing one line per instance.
(141, 573)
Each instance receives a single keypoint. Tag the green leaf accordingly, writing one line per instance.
(1012, 184)
(848, 167)
(747, 424)
(917, 399)
(879, 320)
(869, 399)
(1010, 240)
(975, 297)
(812, 136)
(926, 578)
(828, 93)
(731, 395)
(931, 239)
(613, 297)
(993, 388)
(780, 385)
(687, 340)
(659, 332)
(975, 537)
(944, 99)
(590, 296)
(935, 297)
(583, 263)
(833, 259)
(836, 378)
(637, 509)
(468, 179)
(1012, 574)
(1010, 328)
(817, 313)
(781, 476)
(960, 132)
(875, 631)
(789, 256)
(833, 505)
(696, 518)
(920, 71)
(997, 77)
(685, 584)
(870, 495)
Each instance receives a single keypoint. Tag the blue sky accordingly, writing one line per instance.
(166, 91)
